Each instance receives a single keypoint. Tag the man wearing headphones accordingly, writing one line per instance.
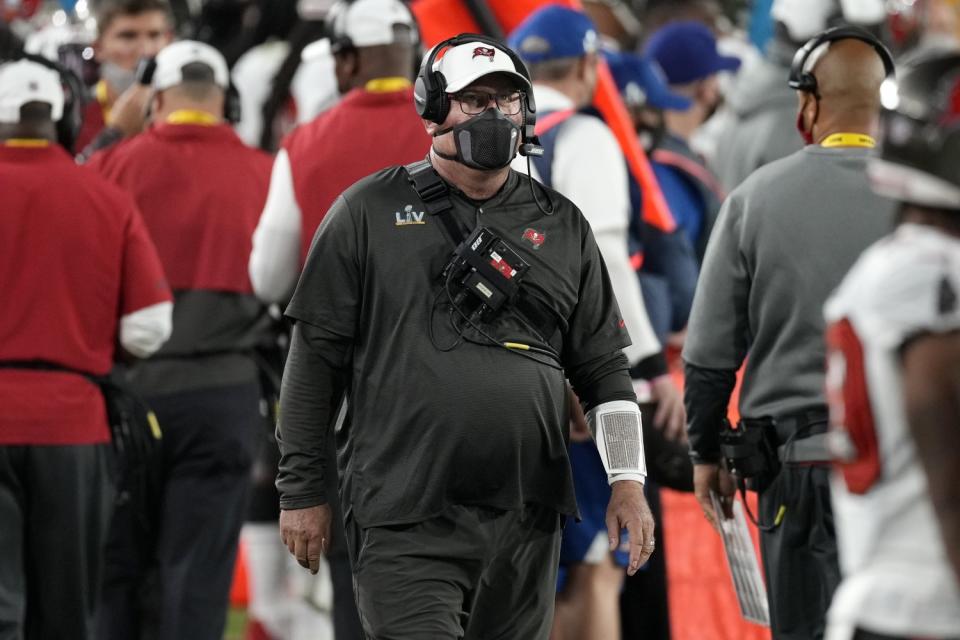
(79, 276)
(894, 379)
(201, 191)
(452, 364)
(759, 300)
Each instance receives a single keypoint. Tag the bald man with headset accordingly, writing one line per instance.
(781, 244)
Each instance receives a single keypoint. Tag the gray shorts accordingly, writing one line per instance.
(471, 572)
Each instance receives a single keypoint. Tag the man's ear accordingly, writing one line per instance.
(351, 63)
(431, 127)
(803, 104)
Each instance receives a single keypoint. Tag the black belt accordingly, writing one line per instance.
(801, 436)
(809, 422)
(135, 432)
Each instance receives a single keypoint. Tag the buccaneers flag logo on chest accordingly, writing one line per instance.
(534, 237)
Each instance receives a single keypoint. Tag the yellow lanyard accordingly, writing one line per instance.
(385, 85)
(849, 140)
(26, 142)
(102, 93)
(192, 116)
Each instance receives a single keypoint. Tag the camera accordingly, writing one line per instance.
(749, 451)
(486, 270)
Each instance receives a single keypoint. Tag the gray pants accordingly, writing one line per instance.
(471, 572)
(55, 505)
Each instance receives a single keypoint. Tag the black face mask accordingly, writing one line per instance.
(486, 142)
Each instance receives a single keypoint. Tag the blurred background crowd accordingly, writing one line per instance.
(704, 85)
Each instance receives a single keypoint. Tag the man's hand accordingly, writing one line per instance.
(710, 477)
(129, 113)
(628, 510)
(670, 416)
(306, 532)
(579, 429)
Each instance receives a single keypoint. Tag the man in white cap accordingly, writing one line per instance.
(79, 275)
(201, 191)
(452, 455)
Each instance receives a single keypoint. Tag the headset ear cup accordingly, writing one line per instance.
(441, 100)
(421, 100)
(231, 105)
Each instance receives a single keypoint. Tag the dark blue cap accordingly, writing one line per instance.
(553, 32)
(641, 82)
(687, 51)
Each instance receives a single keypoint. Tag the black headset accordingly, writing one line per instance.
(430, 90)
(805, 81)
(68, 126)
(231, 101)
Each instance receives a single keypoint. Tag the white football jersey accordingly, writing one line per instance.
(896, 578)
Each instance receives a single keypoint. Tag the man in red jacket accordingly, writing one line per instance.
(201, 191)
(79, 275)
(374, 126)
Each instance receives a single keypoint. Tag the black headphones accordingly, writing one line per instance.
(231, 101)
(430, 90)
(69, 124)
(805, 81)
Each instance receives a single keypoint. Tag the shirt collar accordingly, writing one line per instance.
(549, 99)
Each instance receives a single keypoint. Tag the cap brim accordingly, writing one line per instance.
(670, 101)
(728, 63)
(469, 79)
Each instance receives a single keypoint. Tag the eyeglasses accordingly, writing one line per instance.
(476, 102)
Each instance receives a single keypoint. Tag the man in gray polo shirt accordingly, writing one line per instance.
(783, 241)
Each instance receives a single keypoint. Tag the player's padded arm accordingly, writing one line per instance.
(314, 381)
(603, 385)
(931, 380)
(706, 397)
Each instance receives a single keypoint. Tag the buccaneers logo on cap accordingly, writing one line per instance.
(486, 52)
(534, 237)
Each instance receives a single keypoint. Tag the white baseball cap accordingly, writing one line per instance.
(24, 81)
(467, 62)
(175, 56)
(369, 23)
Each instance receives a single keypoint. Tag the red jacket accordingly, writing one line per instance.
(201, 190)
(74, 257)
(367, 131)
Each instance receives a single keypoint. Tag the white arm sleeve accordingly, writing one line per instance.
(145, 330)
(275, 258)
(618, 430)
(589, 168)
